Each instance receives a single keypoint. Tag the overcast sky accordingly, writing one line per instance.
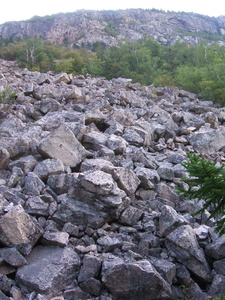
(16, 10)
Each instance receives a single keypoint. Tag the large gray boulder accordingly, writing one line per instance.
(216, 249)
(62, 144)
(183, 246)
(134, 280)
(49, 270)
(208, 141)
(20, 230)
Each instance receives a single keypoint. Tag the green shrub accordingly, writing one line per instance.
(207, 182)
(7, 95)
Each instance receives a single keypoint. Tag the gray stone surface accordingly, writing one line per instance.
(62, 144)
(133, 280)
(49, 270)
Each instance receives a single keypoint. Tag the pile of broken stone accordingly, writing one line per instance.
(88, 200)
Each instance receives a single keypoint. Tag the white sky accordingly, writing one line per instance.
(16, 10)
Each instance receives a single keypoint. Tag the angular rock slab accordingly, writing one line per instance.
(62, 144)
(216, 249)
(49, 270)
(20, 230)
(134, 280)
(208, 141)
(182, 244)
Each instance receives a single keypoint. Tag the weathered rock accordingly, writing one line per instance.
(36, 206)
(62, 182)
(182, 244)
(208, 141)
(90, 268)
(148, 177)
(170, 220)
(165, 268)
(219, 266)
(33, 185)
(109, 243)
(62, 77)
(126, 179)
(60, 239)
(217, 287)
(130, 216)
(62, 144)
(216, 249)
(49, 167)
(12, 257)
(49, 270)
(134, 280)
(20, 230)
(166, 171)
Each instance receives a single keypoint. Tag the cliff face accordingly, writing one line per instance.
(83, 28)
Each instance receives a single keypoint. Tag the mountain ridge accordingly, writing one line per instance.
(83, 28)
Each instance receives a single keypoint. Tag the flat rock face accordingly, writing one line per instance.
(62, 144)
(49, 269)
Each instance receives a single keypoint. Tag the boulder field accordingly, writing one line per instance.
(88, 202)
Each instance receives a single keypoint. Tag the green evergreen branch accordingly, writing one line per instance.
(206, 182)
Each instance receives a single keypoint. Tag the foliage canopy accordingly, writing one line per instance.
(199, 69)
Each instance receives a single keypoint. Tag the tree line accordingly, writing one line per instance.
(199, 69)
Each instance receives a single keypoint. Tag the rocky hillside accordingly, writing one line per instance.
(84, 28)
(88, 206)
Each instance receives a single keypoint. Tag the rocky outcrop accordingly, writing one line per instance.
(88, 201)
(85, 28)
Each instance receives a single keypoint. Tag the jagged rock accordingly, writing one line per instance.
(134, 280)
(37, 206)
(190, 288)
(165, 191)
(60, 239)
(62, 144)
(217, 287)
(90, 268)
(165, 268)
(49, 269)
(20, 230)
(92, 286)
(130, 216)
(126, 179)
(26, 163)
(216, 249)
(12, 257)
(208, 141)
(182, 244)
(148, 177)
(166, 171)
(219, 266)
(109, 243)
(62, 182)
(97, 182)
(72, 93)
(33, 185)
(48, 167)
(62, 77)
(170, 220)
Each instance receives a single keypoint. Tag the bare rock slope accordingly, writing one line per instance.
(88, 205)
